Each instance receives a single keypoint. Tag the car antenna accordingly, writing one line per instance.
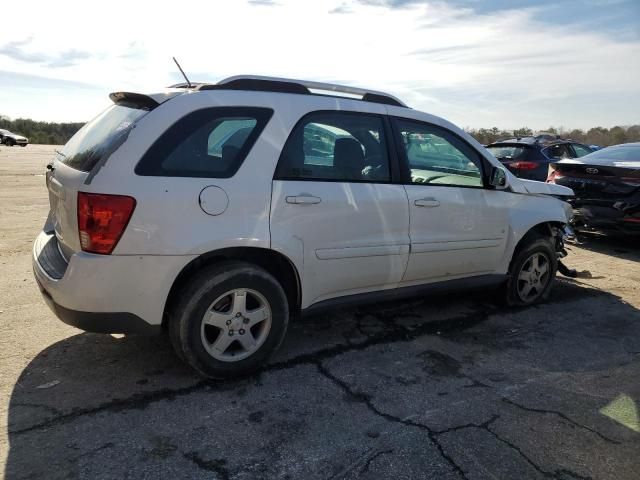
(182, 72)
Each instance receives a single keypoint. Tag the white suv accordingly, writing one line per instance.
(218, 212)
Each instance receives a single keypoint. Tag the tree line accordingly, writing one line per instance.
(59, 133)
(594, 136)
(49, 133)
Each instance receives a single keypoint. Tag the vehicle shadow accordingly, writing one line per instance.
(89, 374)
(619, 246)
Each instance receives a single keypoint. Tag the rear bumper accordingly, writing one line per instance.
(105, 293)
(97, 322)
(596, 218)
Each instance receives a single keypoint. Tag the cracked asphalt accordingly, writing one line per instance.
(445, 387)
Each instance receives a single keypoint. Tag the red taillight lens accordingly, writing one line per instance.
(524, 165)
(553, 176)
(102, 220)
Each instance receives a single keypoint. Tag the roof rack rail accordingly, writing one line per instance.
(303, 87)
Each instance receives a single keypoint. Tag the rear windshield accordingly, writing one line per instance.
(624, 153)
(508, 152)
(100, 137)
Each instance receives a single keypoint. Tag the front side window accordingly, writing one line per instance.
(211, 143)
(437, 157)
(336, 146)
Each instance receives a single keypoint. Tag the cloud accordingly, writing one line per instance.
(15, 80)
(68, 58)
(476, 63)
(16, 51)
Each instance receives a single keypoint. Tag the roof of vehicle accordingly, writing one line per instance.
(295, 86)
(626, 155)
(543, 139)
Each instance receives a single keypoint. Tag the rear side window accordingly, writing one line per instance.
(211, 142)
(336, 146)
(100, 137)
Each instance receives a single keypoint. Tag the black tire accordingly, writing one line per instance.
(539, 292)
(23, 145)
(187, 316)
(10, 142)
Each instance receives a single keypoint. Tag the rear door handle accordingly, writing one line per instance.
(428, 202)
(303, 200)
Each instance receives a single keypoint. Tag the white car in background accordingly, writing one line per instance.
(218, 212)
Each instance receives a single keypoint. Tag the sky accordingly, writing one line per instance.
(509, 64)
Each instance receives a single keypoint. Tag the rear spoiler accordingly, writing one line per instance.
(133, 100)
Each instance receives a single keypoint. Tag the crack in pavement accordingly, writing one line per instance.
(143, 400)
(367, 401)
(433, 435)
(379, 453)
(561, 415)
(554, 474)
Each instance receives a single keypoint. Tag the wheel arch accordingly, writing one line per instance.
(277, 264)
(542, 229)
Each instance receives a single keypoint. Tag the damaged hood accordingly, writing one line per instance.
(534, 187)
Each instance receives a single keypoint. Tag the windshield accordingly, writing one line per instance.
(100, 137)
(508, 151)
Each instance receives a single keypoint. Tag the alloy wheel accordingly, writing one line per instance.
(236, 325)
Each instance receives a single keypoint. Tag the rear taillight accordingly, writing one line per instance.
(553, 175)
(524, 165)
(102, 220)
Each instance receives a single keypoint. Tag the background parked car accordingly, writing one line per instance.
(529, 157)
(606, 184)
(10, 139)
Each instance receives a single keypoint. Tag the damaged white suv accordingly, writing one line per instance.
(220, 211)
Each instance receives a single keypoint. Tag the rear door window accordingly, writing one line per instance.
(336, 146)
(211, 143)
(100, 137)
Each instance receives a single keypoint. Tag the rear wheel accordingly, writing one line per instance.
(230, 318)
(10, 142)
(532, 273)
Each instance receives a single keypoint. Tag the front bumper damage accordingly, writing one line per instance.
(561, 236)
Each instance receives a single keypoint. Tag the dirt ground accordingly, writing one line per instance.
(442, 387)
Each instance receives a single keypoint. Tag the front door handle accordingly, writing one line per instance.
(303, 200)
(428, 202)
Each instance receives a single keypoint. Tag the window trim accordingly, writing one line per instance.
(403, 158)
(394, 169)
(146, 167)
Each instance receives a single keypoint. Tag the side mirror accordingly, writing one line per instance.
(498, 178)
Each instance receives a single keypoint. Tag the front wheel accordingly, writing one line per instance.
(532, 273)
(230, 318)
